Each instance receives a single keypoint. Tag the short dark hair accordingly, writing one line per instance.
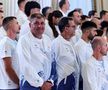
(102, 13)
(20, 1)
(104, 24)
(83, 17)
(30, 5)
(36, 15)
(61, 3)
(71, 13)
(56, 14)
(63, 23)
(78, 9)
(87, 25)
(44, 10)
(92, 13)
(6, 21)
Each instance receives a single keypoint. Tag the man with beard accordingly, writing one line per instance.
(94, 76)
(83, 46)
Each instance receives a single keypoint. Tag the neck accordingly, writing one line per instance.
(37, 36)
(66, 37)
(64, 10)
(11, 35)
(22, 9)
(97, 55)
(84, 37)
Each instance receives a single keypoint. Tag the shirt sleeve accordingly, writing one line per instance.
(5, 50)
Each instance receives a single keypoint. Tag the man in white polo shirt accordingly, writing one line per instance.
(8, 57)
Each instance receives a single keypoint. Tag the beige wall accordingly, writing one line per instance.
(101, 5)
(105, 4)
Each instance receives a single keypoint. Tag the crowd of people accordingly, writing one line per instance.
(46, 49)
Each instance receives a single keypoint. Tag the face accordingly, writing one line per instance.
(34, 10)
(23, 3)
(71, 29)
(37, 27)
(104, 48)
(1, 7)
(106, 17)
(15, 26)
(1, 18)
(96, 14)
(67, 5)
(77, 18)
(92, 33)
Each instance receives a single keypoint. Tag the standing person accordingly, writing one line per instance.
(8, 57)
(76, 16)
(83, 45)
(46, 11)
(21, 16)
(64, 56)
(104, 15)
(64, 7)
(92, 14)
(94, 76)
(34, 52)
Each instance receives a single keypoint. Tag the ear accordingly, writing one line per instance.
(30, 25)
(66, 29)
(9, 25)
(98, 48)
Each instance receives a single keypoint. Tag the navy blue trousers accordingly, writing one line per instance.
(69, 85)
(27, 86)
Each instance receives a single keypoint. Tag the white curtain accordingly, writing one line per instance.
(85, 5)
(10, 6)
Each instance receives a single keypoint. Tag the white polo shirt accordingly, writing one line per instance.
(8, 49)
(34, 58)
